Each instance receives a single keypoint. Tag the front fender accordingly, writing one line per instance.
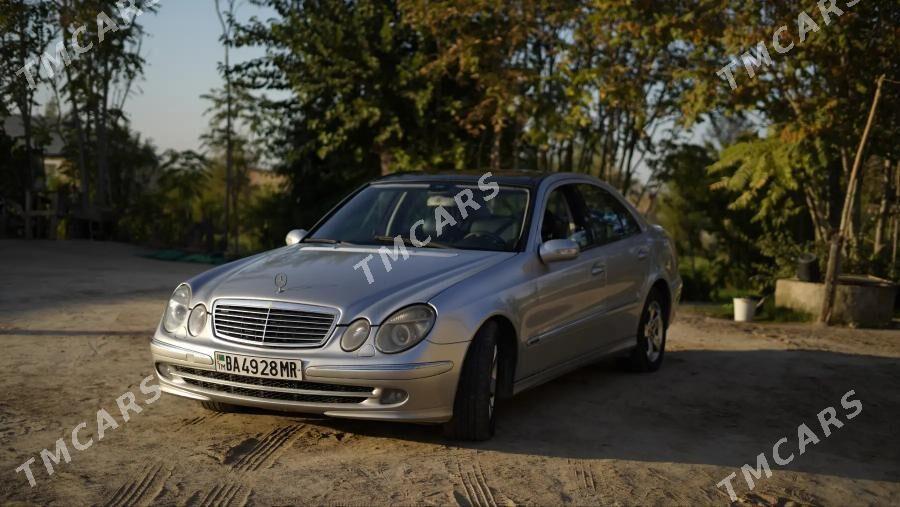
(503, 290)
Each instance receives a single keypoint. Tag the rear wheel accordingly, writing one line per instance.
(647, 356)
(474, 409)
(217, 406)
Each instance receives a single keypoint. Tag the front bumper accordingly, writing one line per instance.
(418, 385)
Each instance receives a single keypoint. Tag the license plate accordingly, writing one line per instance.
(262, 367)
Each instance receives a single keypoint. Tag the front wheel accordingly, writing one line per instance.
(474, 412)
(647, 356)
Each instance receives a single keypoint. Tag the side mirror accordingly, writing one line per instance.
(559, 250)
(295, 236)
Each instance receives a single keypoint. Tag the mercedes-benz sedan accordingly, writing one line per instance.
(426, 298)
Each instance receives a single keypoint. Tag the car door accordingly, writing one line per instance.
(570, 292)
(625, 249)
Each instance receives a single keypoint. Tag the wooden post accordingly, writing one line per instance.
(838, 239)
(884, 206)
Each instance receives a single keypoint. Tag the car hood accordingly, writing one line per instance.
(324, 275)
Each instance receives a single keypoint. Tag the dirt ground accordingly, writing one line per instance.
(75, 322)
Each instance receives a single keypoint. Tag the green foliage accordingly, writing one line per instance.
(404, 85)
(698, 278)
(182, 206)
(737, 219)
(358, 96)
(12, 178)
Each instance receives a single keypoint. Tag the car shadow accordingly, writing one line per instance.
(703, 407)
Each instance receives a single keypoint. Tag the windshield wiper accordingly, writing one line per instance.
(326, 241)
(408, 241)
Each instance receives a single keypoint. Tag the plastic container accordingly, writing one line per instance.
(744, 309)
(808, 268)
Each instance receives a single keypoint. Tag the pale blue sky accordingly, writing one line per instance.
(182, 53)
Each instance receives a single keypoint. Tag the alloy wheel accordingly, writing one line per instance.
(493, 387)
(654, 329)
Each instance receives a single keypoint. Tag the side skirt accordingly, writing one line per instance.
(551, 373)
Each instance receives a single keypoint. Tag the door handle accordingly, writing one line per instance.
(598, 269)
(643, 252)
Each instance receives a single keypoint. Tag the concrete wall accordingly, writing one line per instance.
(861, 301)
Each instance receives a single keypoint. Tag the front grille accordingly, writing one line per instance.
(276, 395)
(272, 382)
(272, 324)
(273, 389)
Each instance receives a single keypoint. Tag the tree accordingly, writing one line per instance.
(486, 43)
(226, 19)
(97, 83)
(684, 206)
(352, 69)
(567, 86)
(352, 100)
(627, 80)
(236, 123)
(818, 91)
(809, 72)
(26, 30)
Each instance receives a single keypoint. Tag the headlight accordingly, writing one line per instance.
(355, 335)
(197, 320)
(404, 329)
(177, 310)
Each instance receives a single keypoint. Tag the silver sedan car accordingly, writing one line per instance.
(427, 298)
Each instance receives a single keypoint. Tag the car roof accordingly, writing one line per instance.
(515, 178)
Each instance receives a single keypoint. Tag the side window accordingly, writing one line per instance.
(562, 220)
(609, 220)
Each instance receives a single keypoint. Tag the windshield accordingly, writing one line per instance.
(430, 216)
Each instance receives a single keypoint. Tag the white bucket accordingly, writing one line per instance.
(744, 308)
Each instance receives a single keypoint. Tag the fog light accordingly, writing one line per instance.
(393, 396)
(165, 370)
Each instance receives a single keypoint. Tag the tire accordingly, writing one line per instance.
(652, 330)
(217, 406)
(474, 408)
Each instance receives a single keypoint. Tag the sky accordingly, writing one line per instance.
(182, 53)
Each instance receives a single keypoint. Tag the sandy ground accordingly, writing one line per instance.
(75, 320)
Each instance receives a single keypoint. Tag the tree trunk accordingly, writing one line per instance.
(236, 232)
(23, 96)
(855, 227)
(497, 145)
(833, 205)
(229, 161)
(896, 233)
(887, 182)
(101, 196)
(895, 220)
(81, 140)
(815, 214)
